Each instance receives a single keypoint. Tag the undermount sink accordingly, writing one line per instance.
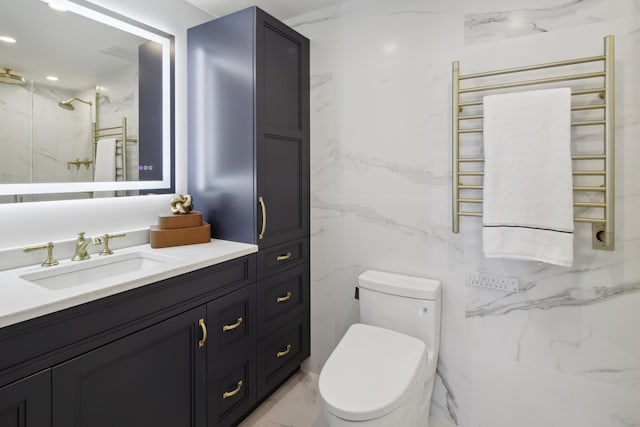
(96, 269)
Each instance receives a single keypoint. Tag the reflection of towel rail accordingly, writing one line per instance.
(121, 144)
(603, 227)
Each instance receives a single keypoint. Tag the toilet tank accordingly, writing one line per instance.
(411, 305)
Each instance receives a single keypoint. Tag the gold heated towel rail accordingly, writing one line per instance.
(122, 140)
(602, 226)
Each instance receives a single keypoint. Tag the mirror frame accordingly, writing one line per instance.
(167, 41)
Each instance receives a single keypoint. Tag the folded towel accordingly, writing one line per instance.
(105, 167)
(528, 194)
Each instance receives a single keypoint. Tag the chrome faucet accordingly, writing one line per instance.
(81, 248)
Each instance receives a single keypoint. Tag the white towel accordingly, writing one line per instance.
(528, 194)
(105, 167)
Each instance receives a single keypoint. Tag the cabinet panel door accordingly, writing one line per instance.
(27, 403)
(282, 118)
(283, 56)
(283, 184)
(153, 378)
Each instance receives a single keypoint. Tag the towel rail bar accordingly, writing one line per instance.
(533, 82)
(576, 92)
(600, 189)
(573, 108)
(534, 67)
(122, 139)
(604, 81)
(575, 157)
(581, 123)
(599, 221)
(575, 173)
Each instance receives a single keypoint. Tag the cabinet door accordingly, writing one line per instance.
(27, 403)
(153, 378)
(282, 103)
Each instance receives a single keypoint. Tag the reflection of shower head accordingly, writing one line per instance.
(11, 79)
(67, 104)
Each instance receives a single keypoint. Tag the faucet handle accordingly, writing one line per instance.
(105, 239)
(50, 261)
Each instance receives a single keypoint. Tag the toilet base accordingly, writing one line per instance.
(412, 413)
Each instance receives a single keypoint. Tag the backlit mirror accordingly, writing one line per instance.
(86, 100)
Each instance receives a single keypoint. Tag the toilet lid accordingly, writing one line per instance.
(370, 372)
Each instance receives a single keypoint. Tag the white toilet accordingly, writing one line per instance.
(381, 373)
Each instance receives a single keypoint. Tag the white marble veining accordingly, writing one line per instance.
(491, 20)
(381, 198)
(21, 300)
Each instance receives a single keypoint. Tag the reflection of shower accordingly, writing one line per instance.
(11, 79)
(67, 104)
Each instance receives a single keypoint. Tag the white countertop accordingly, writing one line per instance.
(22, 300)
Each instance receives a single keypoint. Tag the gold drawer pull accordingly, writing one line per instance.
(228, 394)
(284, 353)
(283, 257)
(264, 217)
(284, 298)
(226, 328)
(204, 333)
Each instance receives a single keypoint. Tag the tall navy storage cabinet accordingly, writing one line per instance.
(249, 170)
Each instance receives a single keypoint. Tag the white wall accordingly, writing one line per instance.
(32, 223)
(565, 352)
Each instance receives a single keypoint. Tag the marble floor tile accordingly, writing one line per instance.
(297, 404)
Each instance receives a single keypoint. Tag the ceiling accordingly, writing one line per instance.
(281, 9)
(76, 49)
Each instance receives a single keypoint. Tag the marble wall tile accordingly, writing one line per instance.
(381, 183)
(491, 20)
(566, 345)
(380, 165)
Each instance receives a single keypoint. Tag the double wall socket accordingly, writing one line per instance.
(495, 281)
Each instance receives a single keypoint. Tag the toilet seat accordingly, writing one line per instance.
(370, 372)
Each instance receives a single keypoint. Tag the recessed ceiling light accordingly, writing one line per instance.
(52, 78)
(56, 6)
(7, 39)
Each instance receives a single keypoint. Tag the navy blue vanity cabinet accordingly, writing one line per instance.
(155, 377)
(152, 356)
(27, 402)
(249, 128)
(249, 168)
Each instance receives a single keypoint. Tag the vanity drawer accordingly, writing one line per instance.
(281, 257)
(231, 320)
(282, 297)
(232, 391)
(280, 354)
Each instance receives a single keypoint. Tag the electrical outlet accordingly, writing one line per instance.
(495, 281)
